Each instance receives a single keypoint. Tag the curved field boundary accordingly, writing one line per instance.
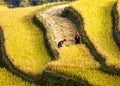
(24, 42)
(62, 71)
(7, 78)
(60, 28)
(77, 19)
(115, 19)
(40, 22)
(51, 78)
(52, 51)
(5, 62)
(98, 28)
(92, 76)
(2, 63)
(78, 60)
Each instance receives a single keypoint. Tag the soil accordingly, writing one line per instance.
(61, 28)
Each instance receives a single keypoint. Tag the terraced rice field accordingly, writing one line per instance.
(75, 56)
(25, 46)
(98, 27)
(92, 76)
(24, 42)
(77, 61)
(9, 79)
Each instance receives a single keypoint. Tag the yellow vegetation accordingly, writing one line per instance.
(25, 48)
(8, 79)
(98, 26)
(76, 61)
(75, 56)
(24, 42)
(92, 76)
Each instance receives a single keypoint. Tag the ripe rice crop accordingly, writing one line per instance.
(97, 20)
(24, 42)
(77, 62)
(92, 76)
(75, 56)
(8, 79)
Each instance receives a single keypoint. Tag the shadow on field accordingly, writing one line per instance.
(54, 54)
(77, 19)
(115, 22)
(5, 62)
(51, 78)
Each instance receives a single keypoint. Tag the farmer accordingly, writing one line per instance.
(60, 43)
(77, 38)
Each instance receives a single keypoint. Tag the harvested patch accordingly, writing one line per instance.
(60, 28)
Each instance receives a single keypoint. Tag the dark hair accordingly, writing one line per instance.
(64, 40)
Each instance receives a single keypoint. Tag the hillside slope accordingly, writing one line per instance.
(75, 63)
(7, 77)
(24, 42)
(98, 27)
(59, 30)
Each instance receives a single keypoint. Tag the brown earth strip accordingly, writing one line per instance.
(61, 28)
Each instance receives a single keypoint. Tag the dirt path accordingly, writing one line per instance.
(62, 28)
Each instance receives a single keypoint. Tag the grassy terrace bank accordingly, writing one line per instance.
(7, 77)
(116, 18)
(23, 39)
(98, 27)
(24, 42)
(76, 66)
(76, 62)
(25, 47)
(76, 18)
(118, 10)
